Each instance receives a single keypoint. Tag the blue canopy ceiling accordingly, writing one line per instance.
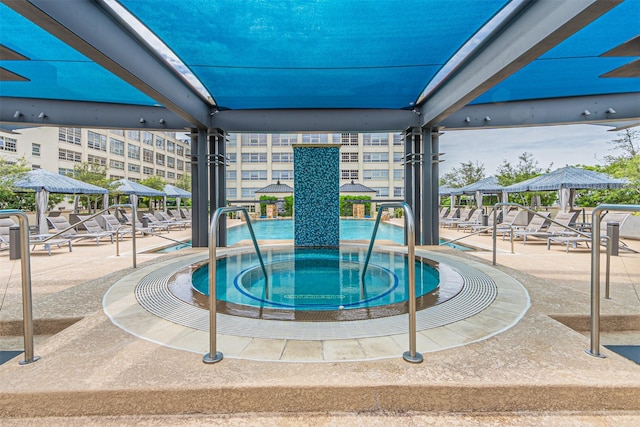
(295, 62)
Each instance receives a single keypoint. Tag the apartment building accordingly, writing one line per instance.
(258, 159)
(130, 154)
(254, 160)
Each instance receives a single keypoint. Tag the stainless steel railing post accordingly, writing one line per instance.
(25, 269)
(594, 349)
(215, 356)
(412, 355)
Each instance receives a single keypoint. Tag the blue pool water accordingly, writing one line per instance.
(315, 279)
(282, 229)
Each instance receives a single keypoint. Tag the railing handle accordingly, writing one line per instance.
(412, 355)
(215, 356)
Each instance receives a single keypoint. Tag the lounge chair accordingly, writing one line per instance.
(443, 212)
(139, 226)
(186, 213)
(454, 213)
(502, 226)
(111, 223)
(465, 216)
(574, 239)
(156, 223)
(93, 226)
(176, 214)
(537, 223)
(61, 223)
(564, 218)
(474, 219)
(168, 219)
(35, 240)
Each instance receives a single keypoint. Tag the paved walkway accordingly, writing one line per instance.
(533, 373)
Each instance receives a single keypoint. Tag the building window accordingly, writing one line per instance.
(116, 164)
(283, 175)
(160, 172)
(147, 171)
(231, 158)
(349, 174)
(96, 141)
(159, 159)
(133, 134)
(375, 157)
(34, 167)
(70, 135)
(180, 165)
(147, 138)
(283, 139)
(97, 160)
(147, 155)
(180, 150)
(72, 156)
(231, 175)
(254, 175)
(133, 151)
(381, 191)
(35, 149)
(8, 144)
(254, 139)
(315, 138)
(133, 179)
(65, 171)
(375, 138)
(349, 157)
(282, 157)
(117, 131)
(171, 162)
(112, 176)
(160, 142)
(116, 147)
(254, 158)
(398, 174)
(171, 175)
(249, 193)
(349, 139)
(398, 157)
(398, 139)
(375, 174)
(398, 191)
(232, 193)
(131, 167)
(171, 146)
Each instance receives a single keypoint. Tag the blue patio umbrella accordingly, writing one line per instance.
(135, 189)
(484, 186)
(175, 192)
(566, 180)
(44, 182)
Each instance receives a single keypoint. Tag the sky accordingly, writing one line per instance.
(557, 146)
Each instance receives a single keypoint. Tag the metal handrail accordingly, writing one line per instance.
(594, 350)
(25, 269)
(215, 356)
(495, 225)
(412, 355)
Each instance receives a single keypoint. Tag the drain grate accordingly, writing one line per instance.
(477, 293)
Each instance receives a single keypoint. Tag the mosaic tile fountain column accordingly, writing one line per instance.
(316, 195)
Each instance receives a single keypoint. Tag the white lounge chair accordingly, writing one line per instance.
(61, 223)
(34, 240)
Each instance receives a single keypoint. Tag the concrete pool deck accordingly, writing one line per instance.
(533, 373)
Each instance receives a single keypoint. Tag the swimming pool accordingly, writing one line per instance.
(315, 284)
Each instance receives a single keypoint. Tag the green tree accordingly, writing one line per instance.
(184, 182)
(288, 206)
(92, 174)
(346, 208)
(264, 201)
(468, 173)
(10, 172)
(154, 182)
(526, 168)
(624, 164)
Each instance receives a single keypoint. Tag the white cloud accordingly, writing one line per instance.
(560, 145)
